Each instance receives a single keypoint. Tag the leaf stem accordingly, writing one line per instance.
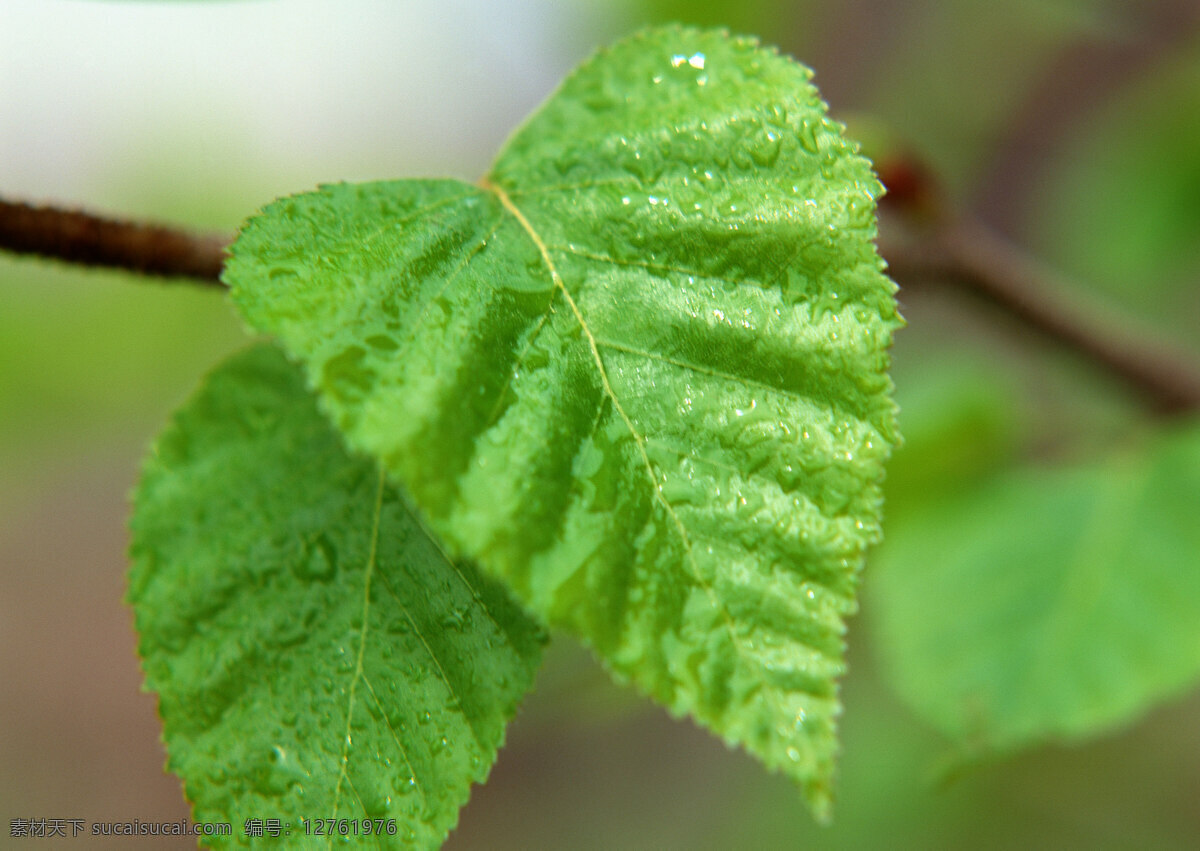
(84, 238)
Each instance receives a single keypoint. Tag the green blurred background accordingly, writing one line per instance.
(1072, 126)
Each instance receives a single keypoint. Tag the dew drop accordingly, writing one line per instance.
(318, 561)
(382, 342)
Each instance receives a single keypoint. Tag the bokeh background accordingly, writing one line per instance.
(1071, 126)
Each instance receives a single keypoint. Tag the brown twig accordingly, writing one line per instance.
(976, 260)
(951, 250)
(930, 240)
(90, 240)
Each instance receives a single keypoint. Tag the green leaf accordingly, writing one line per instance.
(639, 372)
(1049, 603)
(314, 652)
(962, 422)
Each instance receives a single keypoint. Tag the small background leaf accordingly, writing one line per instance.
(1049, 603)
(314, 653)
(640, 373)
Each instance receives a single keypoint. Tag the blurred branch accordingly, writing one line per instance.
(956, 251)
(91, 240)
(1087, 72)
(925, 240)
(971, 257)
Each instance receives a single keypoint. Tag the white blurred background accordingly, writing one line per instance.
(274, 96)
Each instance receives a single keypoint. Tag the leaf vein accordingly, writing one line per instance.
(502, 396)
(641, 264)
(639, 441)
(451, 278)
(454, 696)
(396, 737)
(343, 774)
(703, 370)
(417, 213)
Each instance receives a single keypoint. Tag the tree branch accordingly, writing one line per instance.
(926, 239)
(90, 240)
(954, 251)
(974, 259)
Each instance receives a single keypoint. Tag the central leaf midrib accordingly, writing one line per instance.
(507, 203)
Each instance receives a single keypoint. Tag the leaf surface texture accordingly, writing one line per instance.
(638, 372)
(314, 653)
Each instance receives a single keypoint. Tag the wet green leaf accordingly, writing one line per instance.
(315, 654)
(1048, 603)
(638, 372)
